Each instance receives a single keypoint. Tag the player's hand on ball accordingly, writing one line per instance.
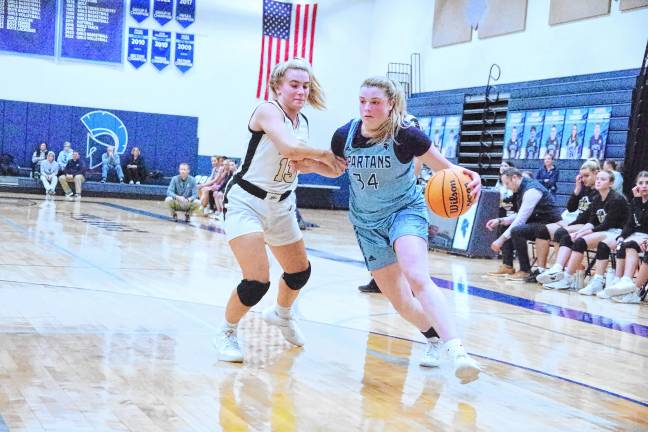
(475, 183)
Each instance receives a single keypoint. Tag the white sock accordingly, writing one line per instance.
(597, 276)
(283, 312)
(626, 279)
(568, 276)
(556, 267)
(455, 347)
(229, 326)
(541, 269)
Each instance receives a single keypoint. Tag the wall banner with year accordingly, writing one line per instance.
(184, 51)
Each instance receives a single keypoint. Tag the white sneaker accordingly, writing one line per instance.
(624, 286)
(610, 277)
(603, 294)
(229, 349)
(131, 182)
(632, 298)
(466, 369)
(432, 355)
(595, 285)
(565, 283)
(288, 327)
(137, 182)
(554, 274)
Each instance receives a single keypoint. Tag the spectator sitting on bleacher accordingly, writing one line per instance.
(110, 162)
(219, 189)
(634, 233)
(135, 170)
(579, 201)
(205, 189)
(64, 156)
(48, 173)
(603, 221)
(610, 165)
(181, 194)
(536, 207)
(73, 171)
(39, 155)
(548, 174)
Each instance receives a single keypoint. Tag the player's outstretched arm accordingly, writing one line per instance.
(437, 162)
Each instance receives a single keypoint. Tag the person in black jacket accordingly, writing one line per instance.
(548, 174)
(601, 224)
(39, 155)
(134, 169)
(73, 171)
(579, 201)
(635, 232)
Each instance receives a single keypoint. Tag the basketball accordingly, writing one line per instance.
(447, 193)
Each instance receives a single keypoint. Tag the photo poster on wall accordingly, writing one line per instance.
(553, 131)
(93, 31)
(513, 135)
(596, 132)
(437, 128)
(451, 136)
(424, 124)
(28, 28)
(573, 133)
(464, 229)
(441, 231)
(533, 124)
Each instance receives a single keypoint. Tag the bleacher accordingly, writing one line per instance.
(609, 88)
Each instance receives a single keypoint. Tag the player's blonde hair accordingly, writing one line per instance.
(592, 165)
(315, 95)
(397, 116)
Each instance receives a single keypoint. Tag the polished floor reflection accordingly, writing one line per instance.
(108, 310)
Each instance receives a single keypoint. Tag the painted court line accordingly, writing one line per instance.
(547, 308)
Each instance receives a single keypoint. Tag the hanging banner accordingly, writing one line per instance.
(451, 133)
(140, 9)
(185, 12)
(596, 132)
(553, 132)
(162, 11)
(93, 30)
(28, 27)
(437, 129)
(161, 49)
(138, 46)
(573, 133)
(184, 51)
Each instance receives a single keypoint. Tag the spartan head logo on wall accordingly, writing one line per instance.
(104, 130)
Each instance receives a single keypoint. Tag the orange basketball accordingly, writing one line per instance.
(447, 193)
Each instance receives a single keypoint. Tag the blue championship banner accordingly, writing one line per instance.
(138, 41)
(140, 9)
(161, 49)
(93, 31)
(162, 11)
(28, 27)
(184, 51)
(185, 12)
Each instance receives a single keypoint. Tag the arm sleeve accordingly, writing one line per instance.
(572, 204)
(529, 201)
(171, 189)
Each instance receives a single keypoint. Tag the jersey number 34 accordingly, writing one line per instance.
(372, 181)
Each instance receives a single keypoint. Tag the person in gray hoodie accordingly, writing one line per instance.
(182, 194)
(49, 169)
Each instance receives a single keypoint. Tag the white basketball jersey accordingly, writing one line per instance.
(264, 166)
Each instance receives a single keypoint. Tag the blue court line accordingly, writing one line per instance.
(564, 312)
(550, 375)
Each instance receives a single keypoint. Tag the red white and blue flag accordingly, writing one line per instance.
(288, 31)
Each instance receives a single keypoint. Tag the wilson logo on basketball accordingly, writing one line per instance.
(447, 193)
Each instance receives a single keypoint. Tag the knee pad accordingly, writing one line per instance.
(251, 292)
(603, 251)
(621, 251)
(632, 245)
(563, 237)
(296, 281)
(580, 245)
(645, 258)
(542, 233)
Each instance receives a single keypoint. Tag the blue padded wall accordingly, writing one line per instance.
(165, 140)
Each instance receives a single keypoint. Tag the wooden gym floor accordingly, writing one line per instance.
(108, 310)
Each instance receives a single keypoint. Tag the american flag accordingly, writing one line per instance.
(288, 31)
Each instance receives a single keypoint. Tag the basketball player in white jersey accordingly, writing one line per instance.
(260, 205)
